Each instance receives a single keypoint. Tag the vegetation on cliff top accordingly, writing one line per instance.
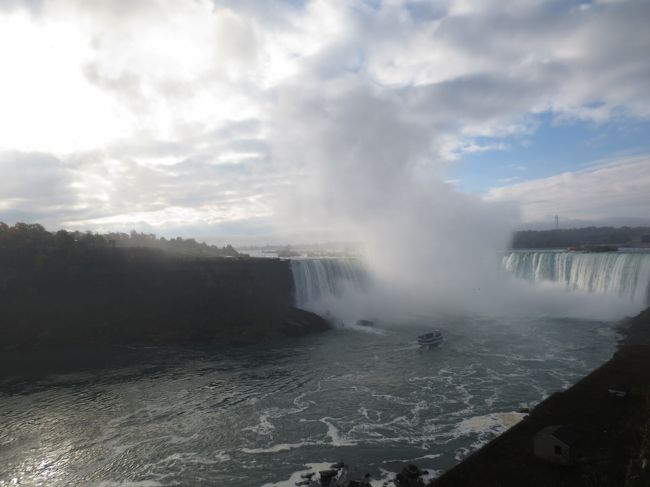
(34, 236)
(581, 237)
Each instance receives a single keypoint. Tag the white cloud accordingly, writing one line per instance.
(161, 110)
(472, 147)
(604, 191)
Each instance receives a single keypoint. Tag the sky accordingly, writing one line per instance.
(270, 121)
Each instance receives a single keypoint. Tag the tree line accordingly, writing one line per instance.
(562, 238)
(29, 236)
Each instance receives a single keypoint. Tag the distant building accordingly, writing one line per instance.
(618, 391)
(556, 444)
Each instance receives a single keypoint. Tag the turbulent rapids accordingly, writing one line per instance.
(264, 414)
(624, 274)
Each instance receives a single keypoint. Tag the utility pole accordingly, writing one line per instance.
(557, 222)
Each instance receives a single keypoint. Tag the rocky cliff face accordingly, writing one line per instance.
(137, 296)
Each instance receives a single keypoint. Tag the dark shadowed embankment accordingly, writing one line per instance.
(613, 434)
(145, 297)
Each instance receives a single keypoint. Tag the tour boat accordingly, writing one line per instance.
(365, 323)
(430, 339)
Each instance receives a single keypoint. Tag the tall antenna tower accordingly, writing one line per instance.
(557, 222)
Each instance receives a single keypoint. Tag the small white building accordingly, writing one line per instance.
(556, 444)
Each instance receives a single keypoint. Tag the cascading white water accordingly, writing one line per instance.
(343, 290)
(316, 279)
(624, 274)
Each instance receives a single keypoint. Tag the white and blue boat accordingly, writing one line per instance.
(431, 339)
(368, 323)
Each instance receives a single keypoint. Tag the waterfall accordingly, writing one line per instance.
(316, 279)
(625, 274)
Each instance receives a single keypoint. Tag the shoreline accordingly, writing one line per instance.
(613, 433)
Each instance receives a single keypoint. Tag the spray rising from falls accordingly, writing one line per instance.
(563, 284)
(622, 274)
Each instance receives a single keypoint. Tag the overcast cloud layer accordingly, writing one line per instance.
(253, 120)
(608, 188)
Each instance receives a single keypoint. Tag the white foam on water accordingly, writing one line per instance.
(296, 476)
(263, 428)
(365, 413)
(428, 456)
(192, 457)
(410, 460)
(334, 434)
(431, 475)
(127, 483)
(489, 423)
(484, 428)
(280, 447)
(386, 476)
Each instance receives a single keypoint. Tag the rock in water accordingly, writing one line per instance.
(410, 476)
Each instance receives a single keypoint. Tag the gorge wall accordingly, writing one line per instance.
(141, 296)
